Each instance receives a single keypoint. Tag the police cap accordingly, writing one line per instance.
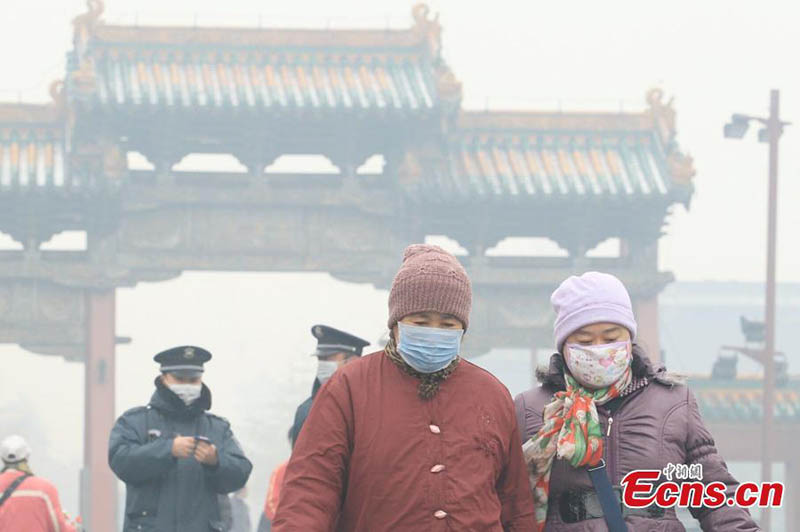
(184, 360)
(331, 341)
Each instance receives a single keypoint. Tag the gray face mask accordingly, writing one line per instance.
(326, 369)
(189, 393)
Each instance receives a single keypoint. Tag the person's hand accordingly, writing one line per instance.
(206, 453)
(182, 446)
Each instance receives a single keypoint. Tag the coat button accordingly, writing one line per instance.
(438, 468)
(440, 514)
(435, 429)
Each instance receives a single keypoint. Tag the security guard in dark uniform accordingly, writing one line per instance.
(174, 456)
(334, 348)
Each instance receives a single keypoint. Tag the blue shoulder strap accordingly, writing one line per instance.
(612, 510)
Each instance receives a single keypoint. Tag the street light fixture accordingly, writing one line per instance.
(753, 331)
(771, 133)
(737, 127)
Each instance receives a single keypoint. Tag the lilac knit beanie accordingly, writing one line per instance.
(591, 298)
(430, 280)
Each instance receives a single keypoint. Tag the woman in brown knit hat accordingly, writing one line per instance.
(412, 437)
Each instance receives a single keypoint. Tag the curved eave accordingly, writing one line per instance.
(270, 80)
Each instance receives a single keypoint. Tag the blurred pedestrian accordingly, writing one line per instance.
(240, 511)
(174, 456)
(27, 503)
(225, 512)
(335, 348)
(274, 492)
(412, 437)
(603, 407)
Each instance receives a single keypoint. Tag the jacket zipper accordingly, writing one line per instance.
(611, 431)
(610, 462)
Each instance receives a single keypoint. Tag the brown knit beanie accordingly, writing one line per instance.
(430, 280)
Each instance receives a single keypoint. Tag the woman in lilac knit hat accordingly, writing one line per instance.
(602, 406)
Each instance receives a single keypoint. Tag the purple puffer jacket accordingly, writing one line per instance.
(653, 426)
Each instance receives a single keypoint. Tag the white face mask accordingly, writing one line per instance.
(326, 369)
(189, 393)
(598, 366)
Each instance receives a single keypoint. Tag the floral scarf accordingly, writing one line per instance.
(571, 431)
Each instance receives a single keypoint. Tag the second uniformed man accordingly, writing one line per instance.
(174, 456)
(334, 349)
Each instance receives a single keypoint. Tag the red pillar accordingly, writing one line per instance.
(99, 506)
(646, 312)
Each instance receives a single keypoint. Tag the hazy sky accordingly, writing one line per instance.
(715, 57)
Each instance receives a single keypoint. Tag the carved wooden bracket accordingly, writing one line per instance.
(409, 172)
(681, 167)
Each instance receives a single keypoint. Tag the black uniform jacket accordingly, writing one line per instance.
(164, 493)
(302, 411)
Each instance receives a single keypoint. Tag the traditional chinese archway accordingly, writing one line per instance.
(165, 92)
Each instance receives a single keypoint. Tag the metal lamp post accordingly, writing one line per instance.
(771, 133)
